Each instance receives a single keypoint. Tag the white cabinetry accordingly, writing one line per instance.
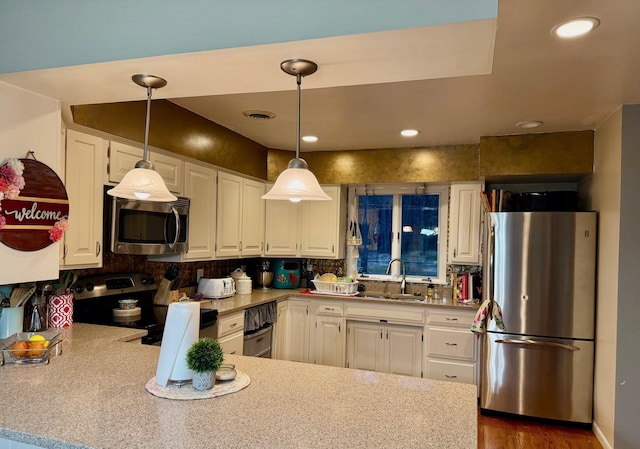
(383, 347)
(231, 333)
(84, 168)
(240, 227)
(200, 187)
(123, 157)
(309, 228)
(451, 350)
(464, 230)
(329, 339)
(293, 335)
(171, 170)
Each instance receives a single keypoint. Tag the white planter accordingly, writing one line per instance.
(204, 380)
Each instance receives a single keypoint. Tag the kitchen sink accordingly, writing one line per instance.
(393, 296)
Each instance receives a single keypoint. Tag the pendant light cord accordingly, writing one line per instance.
(146, 123)
(299, 82)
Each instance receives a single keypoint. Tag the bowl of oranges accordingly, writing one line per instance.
(30, 347)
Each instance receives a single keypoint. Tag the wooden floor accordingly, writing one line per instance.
(513, 433)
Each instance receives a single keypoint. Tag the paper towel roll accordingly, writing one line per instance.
(181, 330)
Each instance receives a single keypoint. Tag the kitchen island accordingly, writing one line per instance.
(93, 395)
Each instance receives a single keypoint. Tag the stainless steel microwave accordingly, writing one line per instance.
(146, 227)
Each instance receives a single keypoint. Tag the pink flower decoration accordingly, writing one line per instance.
(62, 224)
(55, 234)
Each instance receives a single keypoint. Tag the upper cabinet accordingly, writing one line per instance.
(323, 225)
(309, 228)
(123, 157)
(240, 212)
(200, 187)
(85, 156)
(464, 223)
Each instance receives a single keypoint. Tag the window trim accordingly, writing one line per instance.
(397, 190)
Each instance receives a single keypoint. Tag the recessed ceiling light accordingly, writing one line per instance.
(310, 138)
(576, 27)
(529, 124)
(409, 132)
(259, 115)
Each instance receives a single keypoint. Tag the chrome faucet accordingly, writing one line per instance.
(403, 284)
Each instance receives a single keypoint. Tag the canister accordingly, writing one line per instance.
(243, 285)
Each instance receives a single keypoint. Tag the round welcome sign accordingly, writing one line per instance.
(34, 207)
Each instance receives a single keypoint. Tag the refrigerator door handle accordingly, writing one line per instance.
(547, 344)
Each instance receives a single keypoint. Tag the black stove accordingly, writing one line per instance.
(96, 297)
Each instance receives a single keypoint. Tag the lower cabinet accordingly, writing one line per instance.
(451, 348)
(329, 339)
(292, 331)
(388, 348)
(231, 333)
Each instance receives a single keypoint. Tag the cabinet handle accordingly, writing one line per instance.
(233, 352)
(451, 344)
(451, 319)
(267, 247)
(97, 249)
(333, 248)
(233, 325)
(450, 377)
(258, 340)
(240, 246)
(329, 308)
(64, 250)
(455, 252)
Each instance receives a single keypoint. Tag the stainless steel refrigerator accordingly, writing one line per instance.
(541, 272)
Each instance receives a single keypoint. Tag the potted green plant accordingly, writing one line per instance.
(204, 358)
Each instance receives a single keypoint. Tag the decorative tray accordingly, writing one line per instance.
(30, 347)
(186, 392)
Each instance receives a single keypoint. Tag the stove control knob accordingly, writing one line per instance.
(79, 289)
(89, 287)
(148, 281)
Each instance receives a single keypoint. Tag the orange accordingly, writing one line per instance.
(36, 348)
(20, 348)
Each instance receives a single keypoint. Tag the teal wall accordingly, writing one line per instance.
(37, 34)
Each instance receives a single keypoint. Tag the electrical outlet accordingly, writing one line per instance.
(199, 274)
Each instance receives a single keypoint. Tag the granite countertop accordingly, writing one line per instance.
(240, 302)
(93, 395)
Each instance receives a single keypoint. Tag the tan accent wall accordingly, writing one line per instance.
(537, 154)
(430, 164)
(178, 130)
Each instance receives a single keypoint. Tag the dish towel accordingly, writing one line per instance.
(489, 310)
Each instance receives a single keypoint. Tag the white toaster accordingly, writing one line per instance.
(217, 288)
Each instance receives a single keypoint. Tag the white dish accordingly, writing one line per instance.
(226, 372)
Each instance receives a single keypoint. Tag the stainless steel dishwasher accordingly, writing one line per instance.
(258, 327)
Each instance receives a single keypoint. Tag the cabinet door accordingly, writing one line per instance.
(404, 350)
(252, 243)
(329, 341)
(297, 339)
(281, 228)
(170, 169)
(83, 240)
(122, 158)
(319, 225)
(464, 234)
(365, 346)
(200, 186)
(229, 215)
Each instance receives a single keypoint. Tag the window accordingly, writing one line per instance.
(403, 222)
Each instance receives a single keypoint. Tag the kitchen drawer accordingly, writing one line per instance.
(330, 308)
(231, 323)
(232, 344)
(451, 371)
(451, 343)
(451, 317)
(257, 343)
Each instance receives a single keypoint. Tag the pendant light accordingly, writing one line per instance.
(143, 182)
(297, 183)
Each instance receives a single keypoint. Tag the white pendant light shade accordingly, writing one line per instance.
(144, 184)
(295, 184)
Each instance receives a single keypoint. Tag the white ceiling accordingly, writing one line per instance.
(453, 82)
